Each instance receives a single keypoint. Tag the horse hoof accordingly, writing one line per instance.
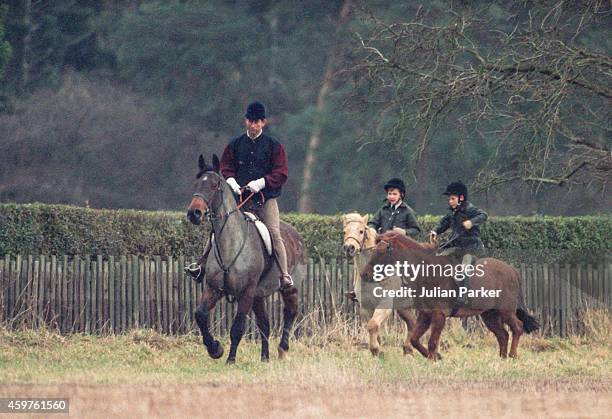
(282, 354)
(435, 357)
(376, 352)
(230, 361)
(217, 351)
(265, 359)
(407, 350)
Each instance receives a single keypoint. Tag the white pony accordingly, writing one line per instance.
(359, 240)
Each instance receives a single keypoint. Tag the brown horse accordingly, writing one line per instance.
(359, 240)
(496, 294)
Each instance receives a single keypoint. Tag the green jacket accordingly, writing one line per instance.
(465, 239)
(387, 218)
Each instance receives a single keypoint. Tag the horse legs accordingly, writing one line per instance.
(263, 324)
(423, 321)
(493, 321)
(437, 324)
(378, 318)
(245, 303)
(517, 330)
(407, 316)
(207, 303)
(290, 303)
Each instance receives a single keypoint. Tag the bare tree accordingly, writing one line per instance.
(305, 201)
(19, 20)
(537, 88)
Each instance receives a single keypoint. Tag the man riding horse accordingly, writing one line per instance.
(257, 162)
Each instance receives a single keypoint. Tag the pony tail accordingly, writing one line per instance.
(530, 324)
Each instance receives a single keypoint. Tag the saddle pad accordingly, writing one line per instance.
(263, 231)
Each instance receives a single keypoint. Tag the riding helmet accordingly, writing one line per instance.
(457, 188)
(397, 184)
(255, 111)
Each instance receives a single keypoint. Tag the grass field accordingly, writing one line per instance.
(327, 374)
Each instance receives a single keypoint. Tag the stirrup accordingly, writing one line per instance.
(194, 270)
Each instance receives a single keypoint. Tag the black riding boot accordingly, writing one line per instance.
(462, 298)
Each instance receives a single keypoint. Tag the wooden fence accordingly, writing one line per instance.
(96, 295)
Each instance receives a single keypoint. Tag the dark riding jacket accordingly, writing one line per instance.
(245, 160)
(461, 237)
(387, 218)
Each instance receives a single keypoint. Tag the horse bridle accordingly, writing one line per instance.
(212, 216)
(359, 243)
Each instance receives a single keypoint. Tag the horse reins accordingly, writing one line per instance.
(214, 216)
(242, 202)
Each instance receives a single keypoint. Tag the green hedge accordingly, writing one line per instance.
(59, 229)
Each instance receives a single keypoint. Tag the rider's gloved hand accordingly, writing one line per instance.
(234, 185)
(399, 230)
(467, 224)
(257, 185)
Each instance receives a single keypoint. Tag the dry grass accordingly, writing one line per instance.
(329, 373)
(334, 355)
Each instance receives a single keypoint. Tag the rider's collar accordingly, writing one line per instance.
(399, 203)
(256, 137)
(461, 207)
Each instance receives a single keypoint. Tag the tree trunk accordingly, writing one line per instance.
(305, 203)
(18, 25)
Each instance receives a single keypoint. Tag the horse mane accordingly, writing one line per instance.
(401, 241)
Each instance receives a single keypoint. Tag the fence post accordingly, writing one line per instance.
(170, 287)
(111, 294)
(148, 292)
(3, 288)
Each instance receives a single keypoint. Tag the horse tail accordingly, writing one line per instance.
(530, 324)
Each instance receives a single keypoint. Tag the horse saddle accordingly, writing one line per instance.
(264, 233)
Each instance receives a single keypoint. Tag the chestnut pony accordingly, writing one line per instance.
(239, 266)
(434, 303)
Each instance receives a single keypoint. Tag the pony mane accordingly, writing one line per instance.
(402, 241)
(352, 216)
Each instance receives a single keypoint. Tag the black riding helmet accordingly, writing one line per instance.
(397, 184)
(255, 111)
(457, 188)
